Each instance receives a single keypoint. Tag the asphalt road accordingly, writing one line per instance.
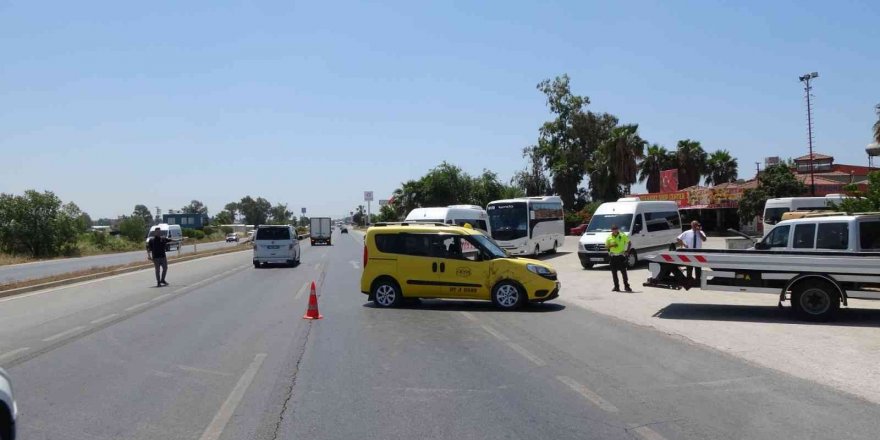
(40, 269)
(223, 353)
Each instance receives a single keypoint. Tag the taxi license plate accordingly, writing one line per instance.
(597, 259)
(273, 247)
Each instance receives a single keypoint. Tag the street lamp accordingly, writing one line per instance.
(806, 80)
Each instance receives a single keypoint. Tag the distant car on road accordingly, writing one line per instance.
(413, 260)
(8, 408)
(276, 244)
(232, 237)
(579, 229)
(343, 230)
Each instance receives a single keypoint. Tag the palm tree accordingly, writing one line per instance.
(691, 160)
(656, 160)
(622, 150)
(877, 126)
(721, 167)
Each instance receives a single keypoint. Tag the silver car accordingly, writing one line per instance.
(8, 408)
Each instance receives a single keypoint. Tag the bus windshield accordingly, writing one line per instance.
(508, 221)
(603, 222)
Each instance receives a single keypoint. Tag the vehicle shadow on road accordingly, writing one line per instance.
(845, 317)
(558, 254)
(443, 305)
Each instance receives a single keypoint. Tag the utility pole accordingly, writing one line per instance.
(807, 88)
(757, 169)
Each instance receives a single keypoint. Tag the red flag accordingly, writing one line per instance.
(669, 180)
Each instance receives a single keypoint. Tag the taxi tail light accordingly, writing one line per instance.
(366, 254)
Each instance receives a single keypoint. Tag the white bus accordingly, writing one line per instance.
(527, 225)
(774, 208)
(452, 215)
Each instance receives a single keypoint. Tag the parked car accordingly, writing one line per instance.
(276, 244)
(413, 260)
(579, 229)
(232, 237)
(8, 408)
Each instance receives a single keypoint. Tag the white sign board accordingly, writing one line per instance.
(304, 211)
(368, 196)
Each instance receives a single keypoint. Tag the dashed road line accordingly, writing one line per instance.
(215, 429)
(646, 433)
(494, 332)
(12, 353)
(63, 334)
(137, 306)
(104, 319)
(202, 370)
(302, 289)
(526, 354)
(588, 394)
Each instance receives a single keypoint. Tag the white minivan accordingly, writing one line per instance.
(276, 244)
(173, 232)
(451, 215)
(651, 226)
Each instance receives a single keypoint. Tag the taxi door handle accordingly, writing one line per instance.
(443, 267)
(434, 267)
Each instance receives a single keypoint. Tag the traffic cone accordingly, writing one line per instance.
(312, 312)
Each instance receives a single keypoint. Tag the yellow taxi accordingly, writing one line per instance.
(425, 260)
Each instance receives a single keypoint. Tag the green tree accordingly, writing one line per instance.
(407, 197)
(144, 213)
(84, 222)
(656, 159)
(532, 181)
(233, 208)
(621, 153)
(775, 181)
(604, 185)
(691, 160)
(387, 214)
(195, 207)
(255, 211)
(444, 185)
(222, 218)
(721, 167)
(280, 214)
(868, 201)
(567, 142)
(133, 228)
(37, 224)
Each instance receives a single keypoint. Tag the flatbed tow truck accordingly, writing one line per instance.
(816, 282)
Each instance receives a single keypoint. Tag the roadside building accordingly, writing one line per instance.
(186, 221)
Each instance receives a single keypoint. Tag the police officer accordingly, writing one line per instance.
(618, 246)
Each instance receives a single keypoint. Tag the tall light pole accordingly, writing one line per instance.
(807, 88)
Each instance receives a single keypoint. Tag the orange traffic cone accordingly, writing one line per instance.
(312, 312)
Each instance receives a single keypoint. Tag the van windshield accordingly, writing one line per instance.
(162, 233)
(508, 221)
(773, 216)
(273, 234)
(603, 222)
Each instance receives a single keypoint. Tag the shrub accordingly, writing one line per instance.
(197, 234)
(133, 228)
(226, 229)
(209, 230)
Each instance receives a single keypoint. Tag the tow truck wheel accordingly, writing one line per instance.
(815, 300)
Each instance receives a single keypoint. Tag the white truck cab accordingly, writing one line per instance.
(651, 226)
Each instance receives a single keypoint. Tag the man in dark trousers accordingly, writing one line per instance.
(693, 239)
(618, 246)
(156, 253)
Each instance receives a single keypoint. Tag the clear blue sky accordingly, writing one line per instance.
(112, 104)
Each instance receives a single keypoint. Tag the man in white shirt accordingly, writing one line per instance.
(692, 239)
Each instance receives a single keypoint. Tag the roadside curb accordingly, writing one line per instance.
(109, 273)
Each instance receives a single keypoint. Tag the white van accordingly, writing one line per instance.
(276, 244)
(173, 232)
(651, 226)
(452, 215)
(774, 208)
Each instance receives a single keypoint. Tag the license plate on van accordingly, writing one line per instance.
(273, 246)
(597, 259)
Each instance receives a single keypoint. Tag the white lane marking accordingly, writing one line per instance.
(202, 370)
(12, 353)
(136, 306)
(161, 297)
(104, 319)
(525, 353)
(98, 280)
(470, 316)
(587, 394)
(647, 433)
(215, 429)
(302, 289)
(493, 332)
(68, 332)
(355, 264)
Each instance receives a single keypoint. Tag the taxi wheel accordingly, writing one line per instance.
(508, 295)
(386, 293)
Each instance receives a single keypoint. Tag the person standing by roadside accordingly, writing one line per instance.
(618, 246)
(692, 239)
(156, 253)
